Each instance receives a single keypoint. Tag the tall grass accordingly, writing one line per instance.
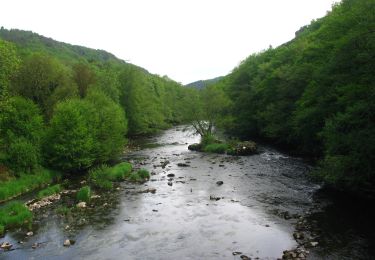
(84, 194)
(103, 176)
(15, 215)
(25, 183)
(49, 191)
(216, 148)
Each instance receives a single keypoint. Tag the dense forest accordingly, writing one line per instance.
(68, 107)
(315, 94)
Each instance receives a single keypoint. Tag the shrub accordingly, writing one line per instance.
(15, 215)
(84, 194)
(134, 177)
(143, 174)
(49, 191)
(99, 177)
(120, 171)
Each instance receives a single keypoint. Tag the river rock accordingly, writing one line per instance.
(81, 205)
(170, 183)
(236, 253)
(245, 257)
(29, 234)
(170, 175)
(298, 235)
(67, 243)
(6, 246)
(314, 244)
(219, 183)
(183, 165)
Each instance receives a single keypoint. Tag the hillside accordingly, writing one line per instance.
(315, 94)
(203, 83)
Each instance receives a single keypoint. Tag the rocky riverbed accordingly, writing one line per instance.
(195, 206)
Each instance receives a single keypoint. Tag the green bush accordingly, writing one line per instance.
(134, 177)
(15, 215)
(143, 174)
(216, 148)
(120, 171)
(99, 177)
(49, 191)
(84, 194)
(26, 183)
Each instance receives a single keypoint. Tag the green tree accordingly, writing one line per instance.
(110, 128)
(83, 77)
(71, 142)
(22, 131)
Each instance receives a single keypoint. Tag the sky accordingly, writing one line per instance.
(187, 40)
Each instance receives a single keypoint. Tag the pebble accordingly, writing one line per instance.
(219, 183)
(29, 234)
(81, 204)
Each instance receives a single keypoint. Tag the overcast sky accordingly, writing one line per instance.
(187, 40)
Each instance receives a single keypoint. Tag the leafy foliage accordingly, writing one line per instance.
(315, 94)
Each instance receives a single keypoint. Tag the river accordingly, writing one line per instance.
(253, 213)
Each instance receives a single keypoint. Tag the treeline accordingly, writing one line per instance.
(69, 107)
(315, 94)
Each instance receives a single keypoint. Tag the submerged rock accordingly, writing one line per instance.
(219, 183)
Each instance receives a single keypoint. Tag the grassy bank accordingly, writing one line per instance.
(104, 176)
(26, 183)
(14, 215)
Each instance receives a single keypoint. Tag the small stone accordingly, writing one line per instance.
(219, 183)
(170, 175)
(183, 165)
(170, 183)
(81, 205)
(245, 257)
(313, 244)
(67, 243)
(155, 210)
(35, 245)
(29, 234)
(95, 196)
(6, 246)
(236, 253)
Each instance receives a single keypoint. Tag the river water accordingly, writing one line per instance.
(190, 216)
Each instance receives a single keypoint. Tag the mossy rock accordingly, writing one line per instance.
(243, 148)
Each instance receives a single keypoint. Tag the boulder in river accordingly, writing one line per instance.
(195, 147)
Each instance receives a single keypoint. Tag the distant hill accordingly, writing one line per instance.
(203, 83)
(29, 41)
